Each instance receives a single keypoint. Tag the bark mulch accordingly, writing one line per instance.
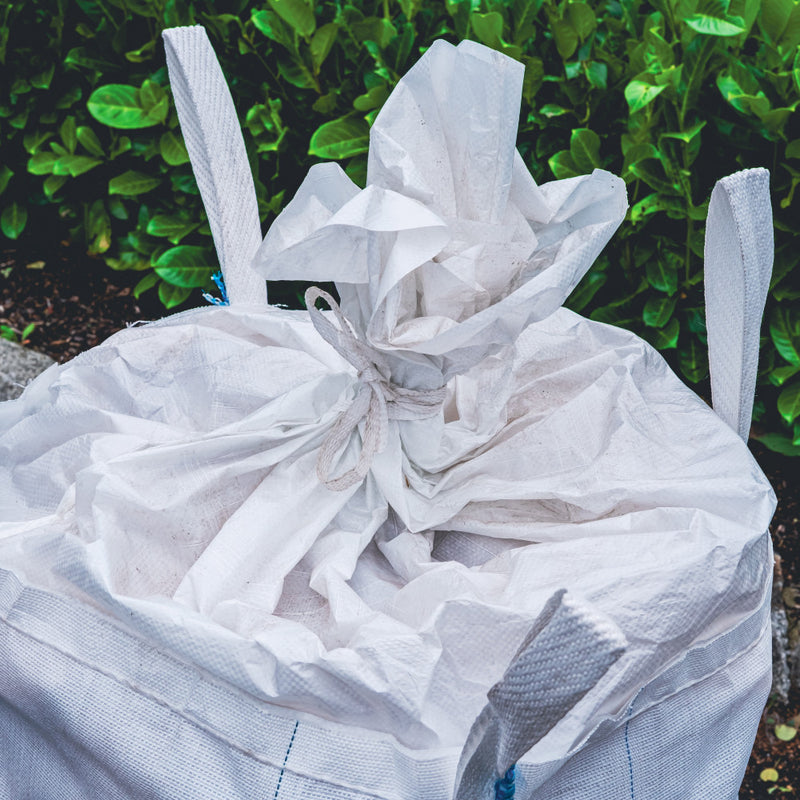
(76, 302)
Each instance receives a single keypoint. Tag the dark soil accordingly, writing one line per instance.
(77, 302)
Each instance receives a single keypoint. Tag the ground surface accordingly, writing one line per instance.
(76, 302)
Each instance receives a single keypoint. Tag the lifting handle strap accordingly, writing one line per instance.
(739, 251)
(219, 161)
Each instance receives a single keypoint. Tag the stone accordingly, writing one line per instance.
(18, 367)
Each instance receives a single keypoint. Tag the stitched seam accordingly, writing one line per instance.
(285, 759)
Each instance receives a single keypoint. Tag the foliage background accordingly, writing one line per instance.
(670, 94)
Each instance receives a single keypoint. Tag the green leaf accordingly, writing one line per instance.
(774, 17)
(52, 184)
(68, 133)
(340, 138)
(563, 165)
(713, 26)
(87, 57)
(584, 292)
(172, 149)
(13, 219)
(693, 361)
(687, 135)
(566, 38)
(582, 18)
(89, 141)
(6, 173)
(374, 98)
(43, 79)
(665, 338)
(789, 403)
(639, 94)
(785, 732)
(297, 73)
(149, 280)
(321, 44)
(584, 147)
(780, 375)
(154, 100)
(172, 296)
(550, 110)
(172, 227)
(75, 165)
(784, 328)
(488, 27)
(658, 311)
(119, 106)
(42, 163)
(186, 266)
(653, 203)
(596, 74)
(298, 14)
(768, 775)
(132, 183)
(117, 208)
(779, 444)
(273, 27)
(662, 274)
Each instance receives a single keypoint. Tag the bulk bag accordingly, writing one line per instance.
(447, 539)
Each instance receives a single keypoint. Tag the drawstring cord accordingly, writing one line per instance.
(377, 399)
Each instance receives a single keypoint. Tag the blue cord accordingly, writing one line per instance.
(217, 278)
(504, 787)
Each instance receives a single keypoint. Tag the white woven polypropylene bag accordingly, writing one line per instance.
(448, 541)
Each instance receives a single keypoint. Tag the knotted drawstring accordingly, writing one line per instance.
(376, 402)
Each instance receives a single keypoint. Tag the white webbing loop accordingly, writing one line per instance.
(738, 265)
(376, 402)
(219, 161)
(568, 649)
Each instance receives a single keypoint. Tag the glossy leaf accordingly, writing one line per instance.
(298, 14)
(171, 295)
(186, 266)
(13, 220)
(665, 338)
(6, 173)
(662, 274)
(42, 163)
(713, 26)
(584, 147)
(170, 226)
(780, 375)
(172, 149)
(639, 94)
(488, 27)
(340, 138)
(789, 402)
(119, 106)
(658, 311)
(89, 141)
(784, 328)
(583, 293)
(563, 165)
(321, 44)
(75, 165)
(693, 361)
(132, 183)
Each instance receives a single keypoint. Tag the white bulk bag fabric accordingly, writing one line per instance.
(451, 540)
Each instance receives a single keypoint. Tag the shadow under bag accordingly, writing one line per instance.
(447, 540)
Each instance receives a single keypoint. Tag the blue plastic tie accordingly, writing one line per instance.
(217, 278)
(504, 787)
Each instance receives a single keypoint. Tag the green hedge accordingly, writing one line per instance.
(671, 94)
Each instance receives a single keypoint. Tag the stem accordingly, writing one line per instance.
(688, 255)
(706, 49)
